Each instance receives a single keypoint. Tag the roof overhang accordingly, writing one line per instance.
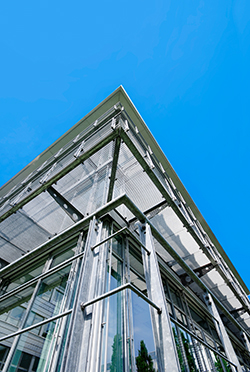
(120, 95)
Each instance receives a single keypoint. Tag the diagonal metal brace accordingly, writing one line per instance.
(71, 211)
(119, 289)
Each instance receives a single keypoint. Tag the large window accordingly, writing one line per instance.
(35, 304)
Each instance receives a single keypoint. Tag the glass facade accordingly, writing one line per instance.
(106, 268)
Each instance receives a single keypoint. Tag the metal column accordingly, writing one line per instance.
(164, 340)
(77, 349)
(221, 330)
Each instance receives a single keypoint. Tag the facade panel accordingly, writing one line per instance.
(107, 264)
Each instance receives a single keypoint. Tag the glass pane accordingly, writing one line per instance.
(27, 274)
(33, 352)
(137, 276)
(180, 316)
(117, 245)
(64, 254)
(218, 362)
(114, 276)
(176, 298)
(4, 350)
(178, 344)
(189, 351)
(143, 333)
(49, 297)
(12, 310)
(116, 273)
(113, 340)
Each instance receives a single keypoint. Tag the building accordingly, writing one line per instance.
(106, 260)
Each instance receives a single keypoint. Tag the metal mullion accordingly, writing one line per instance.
(130, 314)
(65, 305)
(178, 330)
(125, 325)
(13, 347)
(16, 340)
(108, 238)
(86, 136)
(107, 308)
(189, 318)
(27, 329)
(41, 276)
(175, 208)
(200, 340)
(78, 288)
(208, 351)
(102, 289)
(62, 173)
(191, 326)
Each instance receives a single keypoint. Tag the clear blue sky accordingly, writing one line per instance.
(184, 64)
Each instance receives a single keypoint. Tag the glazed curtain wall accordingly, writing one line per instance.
(39, 302)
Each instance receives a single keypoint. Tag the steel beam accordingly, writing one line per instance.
(114, 167)
(103, 142)
(68, 208)
(178, 212)
(115, 203)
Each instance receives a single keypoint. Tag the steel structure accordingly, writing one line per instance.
(107, 264)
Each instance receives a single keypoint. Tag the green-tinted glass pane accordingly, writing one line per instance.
(30, 273)
(189, 350)
(137, 276)
(32, 351)
(64, 254)
(176, 298)
(116, 272)
(49, 297)
(178, 346)
(143, 332)
(4, 350)
(115, 334)
(117, 245)
(180, 316)
(12, 310)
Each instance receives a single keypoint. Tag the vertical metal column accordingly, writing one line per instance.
(246, 340)
(167, 356)
(77, 350)
(221, 330)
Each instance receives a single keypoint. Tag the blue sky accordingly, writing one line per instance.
(185, 66)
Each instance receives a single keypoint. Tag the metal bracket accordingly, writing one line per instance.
(71, 211)
(119, 289)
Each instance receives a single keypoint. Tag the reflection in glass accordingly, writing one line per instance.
(64, 255)
(189, 351)
(112, 335)
(49, 297)
(32, 351)
(4, 350)
(24, 277)
(137, 276)
(142, 327)
(12, 310)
